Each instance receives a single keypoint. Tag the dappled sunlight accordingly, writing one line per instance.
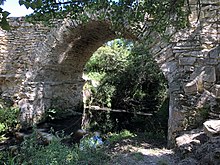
(138, 155)
(141, 149)
(137, 142)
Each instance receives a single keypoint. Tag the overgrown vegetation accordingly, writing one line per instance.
(56, 153)
(32, 152)
(196, 117)
(123, 76)
(9, 121)
(116, 137)
(128, 79)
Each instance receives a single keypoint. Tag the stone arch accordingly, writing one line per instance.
(56, 76)
(31, 57)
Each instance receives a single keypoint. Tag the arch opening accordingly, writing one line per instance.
(124, 89)
(61, 74)
(58, 81)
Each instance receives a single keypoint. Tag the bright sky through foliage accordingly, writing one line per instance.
(15, 9)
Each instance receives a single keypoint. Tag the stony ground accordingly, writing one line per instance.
(141, 151)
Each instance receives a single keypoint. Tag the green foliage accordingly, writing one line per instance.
(154, 135)
(141, 84)
(107, 60)
(31, 4)
(3, 17)
(104, 95)
(101, 121)
(161, 13)
(130, 80)
(56, 153)
(110, 57)
(195, 117)
(2, 2)
(8, 119)
(137, 16)
(116, 137)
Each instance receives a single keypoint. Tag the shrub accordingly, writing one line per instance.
(8, 119)
(56, 153)
(195, 117)
(115, 137)
(130, 80)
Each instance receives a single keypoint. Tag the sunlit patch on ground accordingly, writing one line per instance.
(140, 152)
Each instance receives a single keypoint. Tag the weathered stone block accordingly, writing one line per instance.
(174, 87)
(216, 90)
(211, 61)
(212, 127)
(215, 53)
(187, 60)
(191, 88)
(189, 69)
(198, 72)
(209, 75)
(169, 68)
(208, 85)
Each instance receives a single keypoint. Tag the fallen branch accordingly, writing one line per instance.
(97, 108)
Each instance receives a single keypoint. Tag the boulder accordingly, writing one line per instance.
(190, 141)
(212, 127)
(206, 153)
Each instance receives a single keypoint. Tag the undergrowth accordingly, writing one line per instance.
(31, 152)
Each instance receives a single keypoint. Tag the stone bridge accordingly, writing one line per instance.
(41, 67)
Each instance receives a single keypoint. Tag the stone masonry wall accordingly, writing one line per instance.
(17, 56)
(41, 68)
(191, 64)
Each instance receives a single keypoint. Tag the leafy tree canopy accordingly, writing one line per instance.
(128, 77)
(141, 15)
(125, 76)
(3, 15)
